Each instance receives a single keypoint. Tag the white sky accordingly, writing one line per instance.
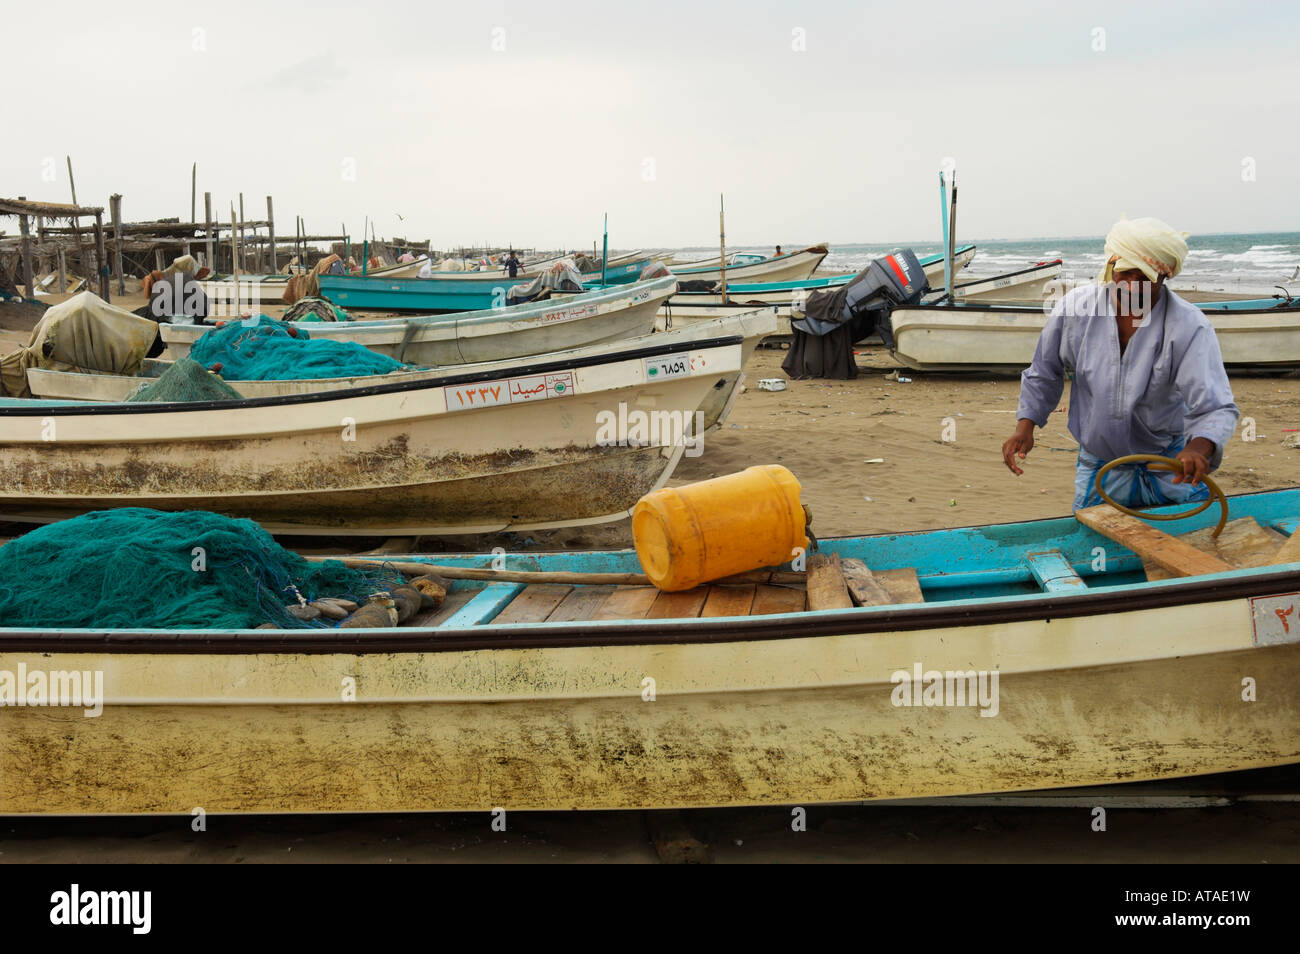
(531, 144)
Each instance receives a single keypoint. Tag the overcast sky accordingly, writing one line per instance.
(524, 122)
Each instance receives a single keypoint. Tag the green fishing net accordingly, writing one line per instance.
(185, 380)
(263, 349)
(135, 568)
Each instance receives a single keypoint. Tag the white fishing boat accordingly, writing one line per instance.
(1260, 333)
(612, 314)
(982, 659)
(751, 325)
(547, 443)
(793, 266)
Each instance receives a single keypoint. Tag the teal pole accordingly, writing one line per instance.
(604, 256)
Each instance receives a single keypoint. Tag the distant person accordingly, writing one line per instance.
(1148, 376)
(779, 253)
(512, 264)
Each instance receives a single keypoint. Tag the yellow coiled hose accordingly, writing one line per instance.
(1156, 462)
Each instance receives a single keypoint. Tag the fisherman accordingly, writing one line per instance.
(1148, 376)
(512, 264)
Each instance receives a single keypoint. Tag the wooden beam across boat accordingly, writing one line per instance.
(1146, 541)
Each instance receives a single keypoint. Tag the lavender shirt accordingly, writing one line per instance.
(1169, 383)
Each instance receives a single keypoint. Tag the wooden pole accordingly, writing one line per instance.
(243, 249)
(101, 258)
(270, 228)
(115, 206)
(234, 248)
(63, 272)
(29, 282)
(207, 233)
(76, 226)
(194, 186)
(722, 242)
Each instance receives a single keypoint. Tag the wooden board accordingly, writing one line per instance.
(902, 584)
(534, 604)
(827, 589)
(728, 601)
(1289, 552)
(684, 605)
(434, 617)
(1054, 573)
(581, 604)
(1243, 543)
(769, 598)
(1149, 543)
(863, 587)
(628, 602)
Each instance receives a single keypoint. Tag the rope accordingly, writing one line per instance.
(1168, 464)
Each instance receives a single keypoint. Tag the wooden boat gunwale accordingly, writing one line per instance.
(38, 406)
(1237, 584)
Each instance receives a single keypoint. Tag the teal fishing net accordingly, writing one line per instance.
(263, 349)
(136, 568)
(185, 380)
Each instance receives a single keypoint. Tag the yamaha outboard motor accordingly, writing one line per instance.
(833, 319)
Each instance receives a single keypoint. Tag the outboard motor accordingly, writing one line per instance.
(833, 319)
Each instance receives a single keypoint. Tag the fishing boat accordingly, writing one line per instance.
(613, 314)
(517, 447)
(1029, 284)
(1255, 333)
(447, 291)
(252, 289)
(751, 326)
(518, 695)
(792, 266)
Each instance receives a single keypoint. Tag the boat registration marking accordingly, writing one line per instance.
(669, 366)
(533, 387)
(1275, 619)
(568, 314)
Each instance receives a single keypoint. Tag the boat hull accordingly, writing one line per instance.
(782, 721)
(793, 267)
(517, 449)
(948, 338)
(494, 335)
(752, 325)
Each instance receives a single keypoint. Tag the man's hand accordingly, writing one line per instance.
(1195, 458)
(1018, 445)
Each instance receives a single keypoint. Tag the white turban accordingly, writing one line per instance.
(1147, 245)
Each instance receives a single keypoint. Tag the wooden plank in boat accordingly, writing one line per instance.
(582, 604)
(902, 584)
(728, 600)
(628, 602)
(826, 586)
(862, 583)
(1243, 543)
(685, 604)
(1289, 551)
(1149, 543)
(454, 601)
(770, 598)
(1053, 572)
(534, 604)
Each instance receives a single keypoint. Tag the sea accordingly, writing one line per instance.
(1238, 260)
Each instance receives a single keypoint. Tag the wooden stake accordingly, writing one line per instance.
(209, 235)
(24, 229)
(63, 272)
(234, 249)
(243, 252)
(101, 258)
(194, 185)
(115, 206)
(270, 228)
